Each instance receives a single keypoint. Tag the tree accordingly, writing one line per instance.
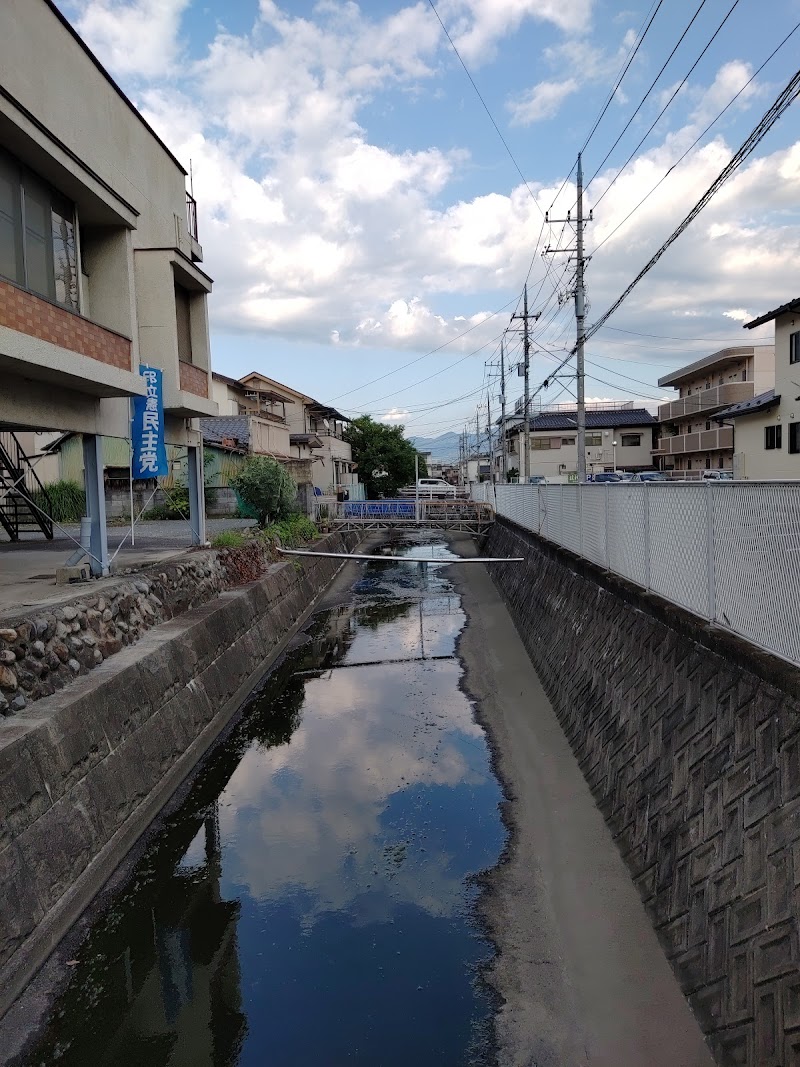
(267, 488)
(385, 458)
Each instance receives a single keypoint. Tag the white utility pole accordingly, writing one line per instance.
(526, 410)
(489, 433)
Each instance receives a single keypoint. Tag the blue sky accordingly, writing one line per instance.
(358, 209)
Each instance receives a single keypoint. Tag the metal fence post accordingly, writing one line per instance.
(561, 514)
(647, 532)
(608, 527)
(579, 491)
(711, 585)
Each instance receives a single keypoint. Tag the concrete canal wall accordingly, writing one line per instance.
(690, 743)
(85, 770)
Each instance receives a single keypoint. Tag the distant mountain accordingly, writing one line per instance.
(443, 448)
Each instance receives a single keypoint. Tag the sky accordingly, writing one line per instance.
(370, 224)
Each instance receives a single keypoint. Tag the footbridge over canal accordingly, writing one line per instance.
(455, 516)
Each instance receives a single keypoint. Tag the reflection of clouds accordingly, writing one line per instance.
(307, 815)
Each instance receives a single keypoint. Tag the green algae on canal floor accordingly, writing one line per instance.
(311, 901)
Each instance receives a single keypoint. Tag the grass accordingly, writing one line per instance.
(229, 539)
(293, 532)
(67, 501)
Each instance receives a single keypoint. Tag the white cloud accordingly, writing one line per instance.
(541, 102)
(396, 415)
(477, 26)
(133, 38)
(738, 315)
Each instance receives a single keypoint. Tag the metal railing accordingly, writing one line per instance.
(405, 512)
(24, 502)
(728, 552)
(191, 215)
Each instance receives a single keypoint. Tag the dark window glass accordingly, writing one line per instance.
(38, 239)
(794, 347)
(794, 437)
(772, 437)
(184, 317)
(65, 257)
(629, 439)
(11, 265)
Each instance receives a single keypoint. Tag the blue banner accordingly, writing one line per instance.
(147, 428)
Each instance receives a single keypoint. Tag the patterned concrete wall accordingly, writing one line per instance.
(691, 746)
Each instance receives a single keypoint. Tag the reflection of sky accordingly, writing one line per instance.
(319, 868)
(350, 848)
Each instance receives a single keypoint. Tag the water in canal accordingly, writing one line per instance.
(311, 901)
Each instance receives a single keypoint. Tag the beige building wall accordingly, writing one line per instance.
(63, 119)
(554, 454)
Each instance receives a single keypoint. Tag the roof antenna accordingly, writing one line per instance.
(191, 180)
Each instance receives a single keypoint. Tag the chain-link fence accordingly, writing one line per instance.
(729, 552)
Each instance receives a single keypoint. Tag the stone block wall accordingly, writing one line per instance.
(690, 742)
(84, 772)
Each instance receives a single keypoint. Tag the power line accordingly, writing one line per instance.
(694, 144)
(664, 108)
(768, 120)
(668, 337)
(622, 74)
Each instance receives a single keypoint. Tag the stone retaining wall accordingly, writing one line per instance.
(690, 742)
(84, 771)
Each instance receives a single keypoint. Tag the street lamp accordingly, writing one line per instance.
(614, 447)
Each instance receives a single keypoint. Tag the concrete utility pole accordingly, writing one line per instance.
(478, 441)
(580, 312)
(489, 432)
(580, 317)
(504, 460)
(526, 409)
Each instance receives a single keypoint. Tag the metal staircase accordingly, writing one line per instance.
(20, 489)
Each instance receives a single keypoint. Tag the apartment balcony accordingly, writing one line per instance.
(719, 396)
(702, 441)
(42, 341)
(191, 226)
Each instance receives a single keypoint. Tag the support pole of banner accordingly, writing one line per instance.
(130, 472)
(197, 503)
(96, 503)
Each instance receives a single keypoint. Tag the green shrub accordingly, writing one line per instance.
(292, 532)
(229, 539)
(67, 501)
(266, 488)
(175, 506)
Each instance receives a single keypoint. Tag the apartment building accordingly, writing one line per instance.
(766, 426)
(619, 436)
(99, 259)
(690, 439)
(292, 424)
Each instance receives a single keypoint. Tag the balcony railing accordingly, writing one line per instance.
(191, 215)
(701, 441)
(719, 396)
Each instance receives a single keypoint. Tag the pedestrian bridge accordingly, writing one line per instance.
(468, 516)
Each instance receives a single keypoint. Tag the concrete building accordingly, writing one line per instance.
(690, 439)
(98, 257)
(618, 437)
(766, 426)
(299, 426)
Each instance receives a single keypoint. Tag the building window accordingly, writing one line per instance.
(794, 437)
(772, 437)
(37, 235)
(539, 443)
(794, 347)
(184, 317)
(594, 440)
(567, 440)
(631, 440)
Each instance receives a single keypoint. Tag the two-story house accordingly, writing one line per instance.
(691, 440)
(766, 426)
(619, 436)
(287, 423)
(98, 259)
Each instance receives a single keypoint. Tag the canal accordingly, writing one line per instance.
(312, 899)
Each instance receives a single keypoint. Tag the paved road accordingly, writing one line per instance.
(580, 971)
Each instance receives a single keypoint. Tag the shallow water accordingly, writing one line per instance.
(312, 900)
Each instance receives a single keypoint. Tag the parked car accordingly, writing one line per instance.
(649, 476)
(607, 476)
(433, 489)
(717, 476)
(537, 479)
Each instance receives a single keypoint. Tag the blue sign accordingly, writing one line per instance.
(147, 428)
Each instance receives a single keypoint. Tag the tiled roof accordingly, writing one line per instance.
(792, 305)
(595, 420)
(749, 407)
(215, 429)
